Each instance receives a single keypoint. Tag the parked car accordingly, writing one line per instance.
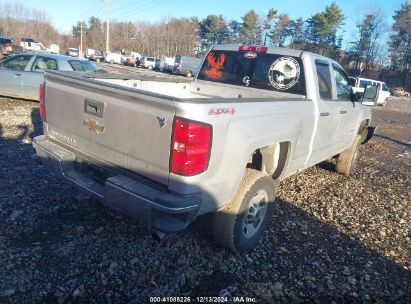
(97, 56)
(148, 62)
(5, 47)
(167, 64)
(54, 49)
(30, 45)
(358, 84)
(133, 59)
(89, 53)
(188, 66)
(73, 52)
(22, 74)
(113, 58)
(167, 152)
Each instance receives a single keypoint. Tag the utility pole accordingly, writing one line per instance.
(108, 4)
(108, 35)
(81, 39)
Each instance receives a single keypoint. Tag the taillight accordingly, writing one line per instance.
(253, 48)
(190, 147)
(42, 95)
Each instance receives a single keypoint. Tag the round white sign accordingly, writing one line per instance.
(284, 73)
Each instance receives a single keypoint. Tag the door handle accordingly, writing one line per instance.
(343, 112)
(325, 114)
(17, 75)
(94, 107)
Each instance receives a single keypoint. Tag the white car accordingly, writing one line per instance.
(148, 62)
(73, 52)
(113, 58)
(358, 84)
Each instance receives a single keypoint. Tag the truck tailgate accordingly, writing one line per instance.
(118, 126)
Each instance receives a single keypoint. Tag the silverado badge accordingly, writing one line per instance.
(93, 126)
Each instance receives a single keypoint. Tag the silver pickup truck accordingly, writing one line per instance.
(167, 151)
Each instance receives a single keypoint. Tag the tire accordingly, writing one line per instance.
(97, 60)
(112, 61)
(150, 67)
(189, 74)
(346, 159)
(236, 227)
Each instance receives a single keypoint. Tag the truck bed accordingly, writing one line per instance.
(178, 89)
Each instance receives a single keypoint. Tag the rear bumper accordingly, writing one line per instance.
(137, 198)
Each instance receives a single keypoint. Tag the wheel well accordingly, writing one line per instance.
(270, 159)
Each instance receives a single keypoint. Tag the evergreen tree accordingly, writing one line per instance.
(400, 41)
(281, 30)
(213, 29)
(297, 31)
(368, 46)
(250, 30)
(322, 29)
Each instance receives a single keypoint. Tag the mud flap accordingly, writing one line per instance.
(368, 135)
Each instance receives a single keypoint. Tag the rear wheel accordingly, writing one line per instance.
(97, 60)
(112, 61)
(189, 74)
(241, 224)
(346, 159)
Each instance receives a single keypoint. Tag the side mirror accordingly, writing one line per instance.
(355, 96)
(370, 95)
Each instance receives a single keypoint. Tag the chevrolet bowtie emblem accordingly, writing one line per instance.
(93, 126)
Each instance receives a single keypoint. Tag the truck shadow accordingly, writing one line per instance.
(399, 142)
(308, 256)
(300, 257)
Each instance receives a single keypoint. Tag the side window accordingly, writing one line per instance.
(324, 80)
(342, 84)
(76, 65)
(41, 64)
(363, 83)
(17, 63)
(384, 87)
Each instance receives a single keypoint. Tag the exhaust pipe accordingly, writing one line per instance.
(157, 235)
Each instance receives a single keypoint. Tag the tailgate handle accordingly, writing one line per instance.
(93, 107)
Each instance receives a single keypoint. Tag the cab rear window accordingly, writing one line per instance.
(255, 70)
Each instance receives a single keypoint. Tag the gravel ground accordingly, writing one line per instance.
(332, 238)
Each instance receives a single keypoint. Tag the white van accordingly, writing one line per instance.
(167, 64)
(358, 84)
(113, 58)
